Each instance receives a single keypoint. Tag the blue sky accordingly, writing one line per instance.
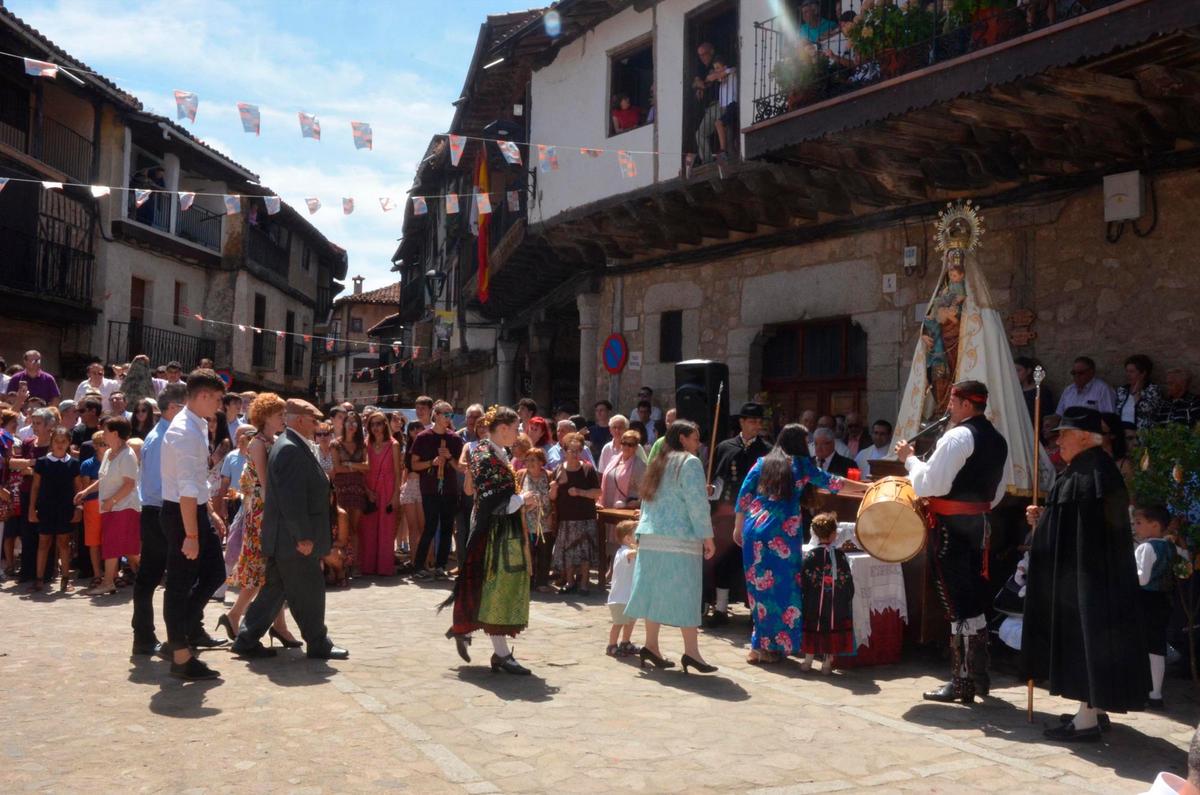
(396, 65)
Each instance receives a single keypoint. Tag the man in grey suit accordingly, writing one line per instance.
(295, 536)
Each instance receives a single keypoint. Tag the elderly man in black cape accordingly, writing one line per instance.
(1082, 627)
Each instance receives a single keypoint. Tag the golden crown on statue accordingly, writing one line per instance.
(959, 226)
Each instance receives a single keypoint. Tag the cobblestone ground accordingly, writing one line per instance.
(404, 713)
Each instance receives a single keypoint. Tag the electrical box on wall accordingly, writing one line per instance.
(1123, 196)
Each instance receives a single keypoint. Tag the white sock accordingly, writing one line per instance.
(722, 604)
(808, 661)
(1158, 669)
(1086, 717)
(500, 644)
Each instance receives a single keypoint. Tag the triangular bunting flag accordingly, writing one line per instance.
(373, 348)
(510, 151)
(251, 118)
(547, 157)
(314, 204)
(591, 152)
(419, 205)
(257, 330)
(233, 205)
(52, 185)
(4, 181)
(279, 334)
(310, 127)
(514, 201)
(328, 344)
(186, 199)
(241, 327)
(308, 337)
(186, 103)
(35, 68)
(347, 206)
(625, 161)
(98, 191)
(387, 205)
(451, 204)
(457, 143)
(140, 197)
(363, 137)
(273, 204)
(483, 204)
(199, 317)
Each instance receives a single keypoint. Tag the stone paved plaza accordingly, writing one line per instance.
(405, 714)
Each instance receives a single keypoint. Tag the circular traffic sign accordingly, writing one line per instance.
(615, 353)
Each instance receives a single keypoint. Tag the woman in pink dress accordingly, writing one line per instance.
(377, 530)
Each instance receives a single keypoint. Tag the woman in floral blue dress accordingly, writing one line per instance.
(769, 528)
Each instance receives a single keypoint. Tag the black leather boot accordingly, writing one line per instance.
(978, 660)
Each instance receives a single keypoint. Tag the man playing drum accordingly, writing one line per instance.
(963, 480)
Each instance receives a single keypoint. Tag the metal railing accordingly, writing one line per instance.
(200, 226)
(293, 358)
(263, 350)
(66, 150)
(155, 211)
(46, 264)
(264, 251)
(798, 64)
(126, 340)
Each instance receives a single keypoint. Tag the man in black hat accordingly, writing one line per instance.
(1082, 627)
(963, 480)
(732, 462)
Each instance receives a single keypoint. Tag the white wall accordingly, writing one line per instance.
(278, 305)
(570, 103)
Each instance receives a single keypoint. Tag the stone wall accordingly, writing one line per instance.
(1105, 300)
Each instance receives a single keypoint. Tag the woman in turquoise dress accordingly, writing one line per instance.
(769, 528)
(674, 537)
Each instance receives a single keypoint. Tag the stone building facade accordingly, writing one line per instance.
(1089, 296)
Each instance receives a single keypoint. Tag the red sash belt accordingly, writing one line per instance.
(938, 506)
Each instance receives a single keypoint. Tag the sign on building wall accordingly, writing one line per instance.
(615, 353)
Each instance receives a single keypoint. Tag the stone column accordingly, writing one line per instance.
(506, 372)
(589, 354)
(541, 337)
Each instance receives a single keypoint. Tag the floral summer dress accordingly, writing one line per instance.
(251, 569)
(772, 552)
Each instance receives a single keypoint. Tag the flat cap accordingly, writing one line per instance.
(303, 408)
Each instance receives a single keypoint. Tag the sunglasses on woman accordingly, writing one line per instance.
(629, 444)
(319, 434)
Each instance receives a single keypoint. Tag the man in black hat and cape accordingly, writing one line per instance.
(732, 462)
(1082, 627)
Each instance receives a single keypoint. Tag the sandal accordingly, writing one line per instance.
(627, 649)
(612, 650)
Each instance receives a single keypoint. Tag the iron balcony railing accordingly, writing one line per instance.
(293, 361)
(126, 340)
(46, 264)
(263, 350)
(66, 150)
(264, 251)
(798, 64)
(200, 226)
(155, 211)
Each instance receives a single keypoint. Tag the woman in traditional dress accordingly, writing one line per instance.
(250, 573)
(492, 589)
(769, 528)
(674, 537)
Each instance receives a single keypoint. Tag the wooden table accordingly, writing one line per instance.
(604, 518)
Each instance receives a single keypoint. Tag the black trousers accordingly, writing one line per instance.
(463, 527)
(149, 575)
(440, 511)
(190, 583)
(299, 582)
(958, 554)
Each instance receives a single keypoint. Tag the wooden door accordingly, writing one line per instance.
(137, 316)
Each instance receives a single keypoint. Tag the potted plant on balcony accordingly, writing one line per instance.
(803, 77)
(989, 21)
(896, 38)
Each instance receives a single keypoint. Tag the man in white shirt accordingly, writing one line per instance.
(195, 563)
(962, 481)
(1087, 390)
(617, 425)
(646, 393)
(881, 447)
(96, 382)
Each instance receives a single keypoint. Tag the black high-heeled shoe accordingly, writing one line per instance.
(276, 635)
(224, 621)
(645, 655)
(701, 667)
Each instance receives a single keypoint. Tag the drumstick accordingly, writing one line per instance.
(1039, 374)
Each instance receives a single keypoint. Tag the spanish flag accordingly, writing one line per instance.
(484, 224)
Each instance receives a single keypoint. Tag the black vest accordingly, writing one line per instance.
(980, 476)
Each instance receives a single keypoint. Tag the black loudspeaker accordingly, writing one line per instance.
(697, 384)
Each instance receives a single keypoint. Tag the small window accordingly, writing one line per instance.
(180, 307)
(355, 325)
(631, 87)
(670, 336)
(306, 261)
